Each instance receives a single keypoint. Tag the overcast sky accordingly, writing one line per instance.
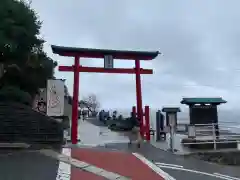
(200, 42)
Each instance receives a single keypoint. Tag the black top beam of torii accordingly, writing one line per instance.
(100, 53)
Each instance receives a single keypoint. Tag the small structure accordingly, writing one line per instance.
(203, 110)
(171, 110)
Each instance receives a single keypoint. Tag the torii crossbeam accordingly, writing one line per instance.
(108, 56)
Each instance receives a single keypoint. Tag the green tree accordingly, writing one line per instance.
(22, 46)
(19, 31)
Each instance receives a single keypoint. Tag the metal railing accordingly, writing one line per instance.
(215, 133)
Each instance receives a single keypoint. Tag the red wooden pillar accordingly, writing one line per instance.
(74, 127)
(147, 121)
(139, 95)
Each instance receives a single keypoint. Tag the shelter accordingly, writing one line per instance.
(203, 110)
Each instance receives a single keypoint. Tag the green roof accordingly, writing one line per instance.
(203, 101)
(100, 53)
(171, 109)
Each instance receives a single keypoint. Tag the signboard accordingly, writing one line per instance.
(172, 119)
(40, 101)
(55, 97)
(203, 114)
(108, 61)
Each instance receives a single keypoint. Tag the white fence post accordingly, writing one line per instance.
(191, 131)
(214, 136)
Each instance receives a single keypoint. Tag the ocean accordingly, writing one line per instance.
(228, 120)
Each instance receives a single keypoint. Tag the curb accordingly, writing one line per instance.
(14, 145)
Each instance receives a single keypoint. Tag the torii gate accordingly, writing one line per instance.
(108, 56)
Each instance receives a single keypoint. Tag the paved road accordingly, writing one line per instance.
(180, 167)
(25, 165)
(189, 163)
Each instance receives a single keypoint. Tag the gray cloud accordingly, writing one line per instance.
(199, 40)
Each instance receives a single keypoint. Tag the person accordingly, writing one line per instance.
(114, 116)
(84, 114)
(101, 115)
(134, 134)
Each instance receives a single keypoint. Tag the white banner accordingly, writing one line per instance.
(40, 102)
(55, 97)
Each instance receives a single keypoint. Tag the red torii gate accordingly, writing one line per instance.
(78, 53)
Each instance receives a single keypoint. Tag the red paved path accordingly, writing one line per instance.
(122, 163)
(77, 174)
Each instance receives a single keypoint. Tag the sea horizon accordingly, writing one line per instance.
(228, 120)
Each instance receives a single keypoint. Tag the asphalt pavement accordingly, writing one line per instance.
(27, 165)
(179, 167)
(31, 165)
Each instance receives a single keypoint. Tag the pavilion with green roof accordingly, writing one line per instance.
(203, 110)
(216, 101)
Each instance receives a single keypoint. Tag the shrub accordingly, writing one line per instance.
(14, 93)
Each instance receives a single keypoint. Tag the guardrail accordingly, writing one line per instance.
(215, 133)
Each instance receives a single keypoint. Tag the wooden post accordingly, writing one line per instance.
(74, 127)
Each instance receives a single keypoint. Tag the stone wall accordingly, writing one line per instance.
(226, 158)
(20, 123)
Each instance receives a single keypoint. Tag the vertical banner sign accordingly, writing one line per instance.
(55, 97)
(41, 101)
(108, 61)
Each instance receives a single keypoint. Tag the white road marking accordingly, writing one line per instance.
(195, 171)
(165, 164)
(154, 167)
(82, 165)
(64, 169)
(230, 177)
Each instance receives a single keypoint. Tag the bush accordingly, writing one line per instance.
(13, 93)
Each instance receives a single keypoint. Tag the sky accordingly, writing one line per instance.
(199, 41)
